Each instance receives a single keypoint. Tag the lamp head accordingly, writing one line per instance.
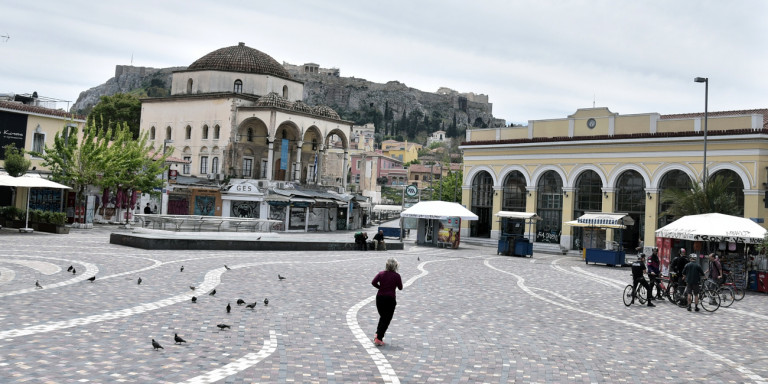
(701, 79)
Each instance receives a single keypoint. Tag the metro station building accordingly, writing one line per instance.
(596, 160)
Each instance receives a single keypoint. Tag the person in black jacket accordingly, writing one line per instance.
(678, 264)
(638, 270)
(378, 239)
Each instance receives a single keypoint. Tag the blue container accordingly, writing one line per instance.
(752, 282)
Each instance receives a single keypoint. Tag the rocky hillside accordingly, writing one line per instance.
(352, 97)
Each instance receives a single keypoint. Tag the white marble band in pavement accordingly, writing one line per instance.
(90, 270)
(238, 365)
(738, 367)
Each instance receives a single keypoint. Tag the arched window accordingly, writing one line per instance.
(188, 132)
(152, 133)
(205, 132)
(216, 132)
(215, 165)
(514, 193)
(285, 91)
(549, 194)
(482, 204)
(189, 86)
(736, 187)
(630, 199)
(675, 179)
(168, 133)
(250, 134)
(238, 86)
(588, 198)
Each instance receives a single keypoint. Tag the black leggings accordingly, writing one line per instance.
(386, 307)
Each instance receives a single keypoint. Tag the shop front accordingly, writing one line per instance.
(595, 227)
(733, 239)
(438, 222)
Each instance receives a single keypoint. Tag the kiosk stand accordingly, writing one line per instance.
(514, 240)
(597, 248)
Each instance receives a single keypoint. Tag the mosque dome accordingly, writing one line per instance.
(325, 111)
(300, 106)
(239, 58)
(272, 99)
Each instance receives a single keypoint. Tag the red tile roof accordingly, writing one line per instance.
(39, 110)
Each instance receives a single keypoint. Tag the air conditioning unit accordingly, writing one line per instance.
(219, 177)
(280, 185)
(262, 183)
(210, 176)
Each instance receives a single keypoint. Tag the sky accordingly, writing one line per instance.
(537, 59)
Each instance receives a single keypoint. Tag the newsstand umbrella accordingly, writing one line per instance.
(714, 227)
(29, 182)
(438, 210)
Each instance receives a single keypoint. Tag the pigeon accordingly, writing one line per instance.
(212, 292)
(223, 326)
(227, 268)
(266, 301)
(194, 299)
(229, 308)
(251, 306)
(178, 339)
(139, 281)
(74, 271)
(280, 277)
(70, 268)
(258, 238)
(37, 284)
(181, 269)
(192, 287)
(156, 345)
(240, 301)
(418, 258)
(92, 278)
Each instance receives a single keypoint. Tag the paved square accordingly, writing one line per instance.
(465, 316)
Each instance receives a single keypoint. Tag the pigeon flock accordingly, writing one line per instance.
(177, 339)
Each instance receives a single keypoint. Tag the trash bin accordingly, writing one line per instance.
(503, 246)
(523, 247)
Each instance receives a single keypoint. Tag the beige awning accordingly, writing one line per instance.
(518, 215)
(387, 208)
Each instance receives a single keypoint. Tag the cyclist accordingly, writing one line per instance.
(677, 266)
(692, 273)
(638, 269)
(715, 271)
(653, 271)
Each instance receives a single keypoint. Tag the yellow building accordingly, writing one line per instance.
(596, 160)
(405, 152)
(27, 123)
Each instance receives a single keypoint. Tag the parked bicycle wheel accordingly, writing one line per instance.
(726, 296)
(709, 300)
(738, 293)
(677, 296)
(628, 295)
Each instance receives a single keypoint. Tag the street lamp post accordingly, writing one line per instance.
(705, 80)
(164, 197)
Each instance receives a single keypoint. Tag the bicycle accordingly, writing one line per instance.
(662, 290)
(738, 293)
(708, 299)
(725, 293)
(629, 295)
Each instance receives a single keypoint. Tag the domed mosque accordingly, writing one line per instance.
(237, 120)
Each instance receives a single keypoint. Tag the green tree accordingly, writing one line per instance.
(116, 109)
(450, 186)
(130, 165)
(710, 198)
(15, 162)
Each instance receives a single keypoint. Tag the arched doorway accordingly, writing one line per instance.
(675, 179)
(482, 205)
(549, 195)
(630, 199)
(736, 187)
(588, 198)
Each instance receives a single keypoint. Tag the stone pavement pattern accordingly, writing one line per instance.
(465, 316)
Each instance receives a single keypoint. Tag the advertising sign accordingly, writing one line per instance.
(13, 130)
(449, 231)
(284, 154)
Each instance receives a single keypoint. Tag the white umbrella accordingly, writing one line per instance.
(438, 210)
(29, 182)
(714, 227)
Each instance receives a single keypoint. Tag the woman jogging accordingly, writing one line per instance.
(386, 281)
